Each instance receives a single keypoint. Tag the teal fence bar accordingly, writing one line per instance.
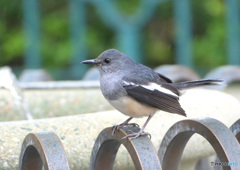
(183, 32)
(232, 22)
(31, 22)
(78, 32)
(128, 40)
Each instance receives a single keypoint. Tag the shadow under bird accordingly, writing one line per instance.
(136, 90)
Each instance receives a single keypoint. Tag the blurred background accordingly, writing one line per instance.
(47, 40)
(57, 35)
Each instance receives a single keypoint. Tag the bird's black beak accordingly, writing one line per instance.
(89, 62)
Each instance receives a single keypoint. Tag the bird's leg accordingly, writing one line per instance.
(125, 123)
(141, 132)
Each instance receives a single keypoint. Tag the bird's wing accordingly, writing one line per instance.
(155, 95)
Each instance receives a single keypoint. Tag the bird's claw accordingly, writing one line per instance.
(117, 127)
(134, 135)
(133, 124)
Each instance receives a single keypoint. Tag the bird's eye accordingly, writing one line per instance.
(107, 60)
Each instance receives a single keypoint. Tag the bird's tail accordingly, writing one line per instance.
(198, 83)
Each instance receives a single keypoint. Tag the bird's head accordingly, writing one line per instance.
(110, 61)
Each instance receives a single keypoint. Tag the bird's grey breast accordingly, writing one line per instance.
(111, 86)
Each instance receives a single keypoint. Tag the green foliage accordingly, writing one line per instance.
(11, 33)
(13, 46)
(209, 33)
(210, 45)
(159, 36)
(55, 44)
(125, 7)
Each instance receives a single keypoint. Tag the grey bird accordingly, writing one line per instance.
(136, 90)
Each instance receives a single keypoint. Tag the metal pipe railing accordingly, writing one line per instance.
(45, 149)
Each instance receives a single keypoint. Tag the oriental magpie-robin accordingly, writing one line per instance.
(136, 90)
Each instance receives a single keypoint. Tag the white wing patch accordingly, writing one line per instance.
(152, 87)
(129, 83)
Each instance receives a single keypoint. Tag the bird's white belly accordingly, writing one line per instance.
(131, 107)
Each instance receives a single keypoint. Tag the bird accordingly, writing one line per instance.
(138, 91)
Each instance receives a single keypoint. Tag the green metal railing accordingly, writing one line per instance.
(32, 30)
(127, 30)
(232, 22)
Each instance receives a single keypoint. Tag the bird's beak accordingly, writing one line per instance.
(89, 62)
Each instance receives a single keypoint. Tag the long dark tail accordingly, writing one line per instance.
(198, 83)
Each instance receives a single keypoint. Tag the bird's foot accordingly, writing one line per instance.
(117, 127)
(134, 135)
